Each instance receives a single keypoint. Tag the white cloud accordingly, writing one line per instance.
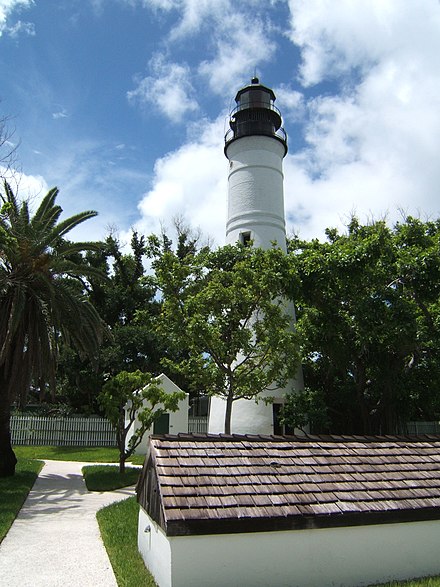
(336, 37)
(7, 7)
(190, 182)
(168, 89)
(30, 188)
(26, 28)
(372, 147)
(292, 102)
(60, 113)
(157, 4)
(194, 14)
(239, 48)
(236, 38)
(202, 14)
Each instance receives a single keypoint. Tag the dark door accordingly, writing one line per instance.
(162, 424)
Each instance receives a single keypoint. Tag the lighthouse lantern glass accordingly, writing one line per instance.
(255, 99)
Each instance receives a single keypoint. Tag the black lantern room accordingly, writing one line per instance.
(255, 114)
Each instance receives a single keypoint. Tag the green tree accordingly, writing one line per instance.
(143, 399)
(42, 301)
(127, 291)
(226, 311)
(305, 410)
(368, 316)
(182, 243)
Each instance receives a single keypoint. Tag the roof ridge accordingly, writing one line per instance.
(344, 438)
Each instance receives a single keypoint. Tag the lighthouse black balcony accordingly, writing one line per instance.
(255, 114)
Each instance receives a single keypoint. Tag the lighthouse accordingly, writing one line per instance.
(255, 146)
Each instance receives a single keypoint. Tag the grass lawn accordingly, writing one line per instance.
(14, 490)
(108, 477)
(99, 454)
(86, 454)
(118, 525)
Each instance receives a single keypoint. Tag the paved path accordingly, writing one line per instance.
(55, 539)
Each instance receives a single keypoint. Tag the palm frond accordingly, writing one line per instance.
(66, 267)
(10, 198)
(46, 207)
(66, 247)
(48, 221)
(23, 217)
(64, 227)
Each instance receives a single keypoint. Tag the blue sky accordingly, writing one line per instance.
(122, 104)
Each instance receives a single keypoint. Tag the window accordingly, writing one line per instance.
(245, 238)
(278, 427)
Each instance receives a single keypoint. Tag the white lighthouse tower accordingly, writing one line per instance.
(255, 146)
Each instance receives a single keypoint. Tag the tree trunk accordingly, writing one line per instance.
(8, 460)
(121, 435)
(360, 385)
(122, 464)
(228, 413)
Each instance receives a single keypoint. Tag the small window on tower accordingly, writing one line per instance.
(245, 238)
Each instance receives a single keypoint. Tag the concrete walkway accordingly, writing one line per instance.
(55, 539)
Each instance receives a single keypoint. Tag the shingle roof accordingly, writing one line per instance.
(219, 484)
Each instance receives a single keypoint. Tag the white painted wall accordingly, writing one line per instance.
(247, 416)
(178, 420)
(337, 557)
(155, 549)
(255, 191)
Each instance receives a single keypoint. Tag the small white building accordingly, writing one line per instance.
(168, 423)
(253, 511)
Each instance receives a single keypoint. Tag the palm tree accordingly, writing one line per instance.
(42, 301)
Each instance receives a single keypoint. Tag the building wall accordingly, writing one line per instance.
(155, 549)
(247, 416)
(178, 420)
(340, 557)
(255, 191)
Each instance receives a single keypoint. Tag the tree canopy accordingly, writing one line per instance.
(219, 321)
(227, 310)
(133, 345)
(368, 320)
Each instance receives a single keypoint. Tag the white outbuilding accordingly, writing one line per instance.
(168, 423)
(253, 511)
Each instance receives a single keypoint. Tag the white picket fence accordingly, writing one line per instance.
(198, 424)
(72, 431)
(75, 431)
(423, 427)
